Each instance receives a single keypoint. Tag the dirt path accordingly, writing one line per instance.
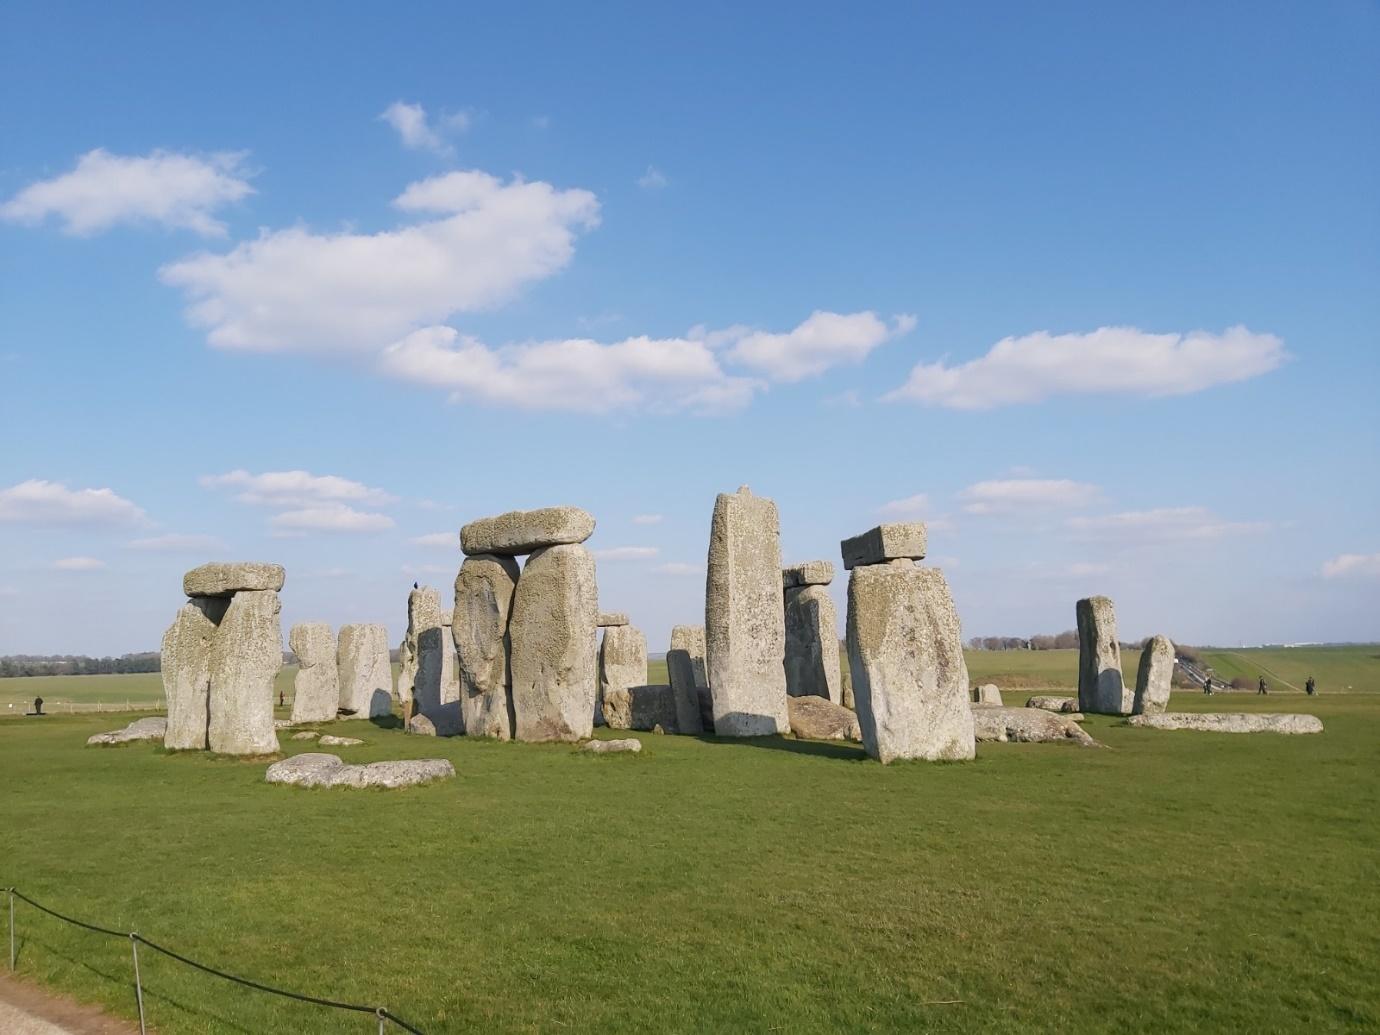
(26, 1009)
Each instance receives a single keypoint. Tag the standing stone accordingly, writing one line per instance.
(451, 714)
(422, 659)
(316, 687)
(186, 670)
(990, 694)
(812, 644)
(685, 668)
(483, 601)
(1154, 676)
(245, 659)
(366, 674)
(642, 708)
(526, 531)
(1101, 688)
(553, 645)
(744, 617)
(948, 643)
(904, 709)
(622, 663)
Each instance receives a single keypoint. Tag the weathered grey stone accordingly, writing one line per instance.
(816, 718)
(1027, 725)
(553, 645)
(987, 694)
(1229, 722)
(483, 602)
(221, 580)
(1053, 704)
(948, 633)
(1153, 677)
(282, 724)
(744, 617)
(305, 735)
(152, 728)
(622, 663)
(641, 708)
(245, 658)
(685, 669)
(526, 531)
(904, 710)
(612, 747)
(812, 644)
(316, 769)
(366, 674)
(186, 665)
(422, 657)
(608, 619)
(330, 740)
(810, 573)
(316, 686)
(903, 540)
(421, 726)
(1101, 688)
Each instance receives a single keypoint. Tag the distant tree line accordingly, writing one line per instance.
(76, 664)
(1060, 641)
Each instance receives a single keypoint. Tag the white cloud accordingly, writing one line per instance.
(295, 489)
(822, 341)
(178, 191)
(8, 591)
(418, 133)
(334, 517)
(1163, 524)
(293, 290)
(679, 568)
(1086, 569)
(174, 542)
(1023, 494)
(647, 519)
(79, 564)
(652, 179)
(911, 507)
(437, 540)
(38, 502)
(426, 569)
(1365, 565)
(1120, 360)
(626, 553)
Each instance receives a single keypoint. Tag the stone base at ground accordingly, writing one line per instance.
(1229, 722)
(814, 718)
(1053, 704)
(612, 747)
(155, 727)
(315, 769)
(1027, 726)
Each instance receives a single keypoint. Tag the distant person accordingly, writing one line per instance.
(1207, 685)
(1310, 687)
(1261, 688)
(38, 705)
(280, 698)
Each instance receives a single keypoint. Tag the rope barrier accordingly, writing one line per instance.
(135, 940)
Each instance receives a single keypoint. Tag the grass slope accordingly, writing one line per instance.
(1174, 881)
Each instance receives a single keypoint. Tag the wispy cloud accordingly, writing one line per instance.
(336, 517)
(822, 341)
(652, 179)
(647, 519)
(1163, 524)
(295, 488)
(626, 553)
(79, 564)
(437, 540)
(679, 568)
(419, 132)
(1023, 494)
(907, 508)
(38, 502)
(1353, 565)
(174, 542)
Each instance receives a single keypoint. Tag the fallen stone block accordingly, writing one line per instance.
(155, 727)
(1027, 726)
(815, 718)
(903, 540)
(330, 740)
(612, 747)
(1229, 722)
(305, 735)
(526, 531)
(222, 580)
(1052, 704)
(315, 769)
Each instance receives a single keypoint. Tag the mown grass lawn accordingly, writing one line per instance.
(1173, 881)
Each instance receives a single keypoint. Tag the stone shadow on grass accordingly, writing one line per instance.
(818, 748)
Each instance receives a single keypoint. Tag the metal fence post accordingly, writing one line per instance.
(138, 984)
(383, 1021)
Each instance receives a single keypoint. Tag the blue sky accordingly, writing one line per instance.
(1091, 288)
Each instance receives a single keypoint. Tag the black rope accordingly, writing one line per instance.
(377, 1011)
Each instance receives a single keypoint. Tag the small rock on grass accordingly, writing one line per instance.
(330, 740)
(305, 735)
(610, 747)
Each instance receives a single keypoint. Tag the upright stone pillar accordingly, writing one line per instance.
(316, 686)
(422, 659)
(1154, 677)
(744, 617)
(451, 716)
(366, 673)
(483, 601)
(686, 671)
(553, 632)
(1101, 688)
(245, 660)
(909, 701)
(622, 663)
(186, 671)
(812, 632)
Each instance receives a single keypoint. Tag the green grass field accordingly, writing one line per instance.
(1173, 881)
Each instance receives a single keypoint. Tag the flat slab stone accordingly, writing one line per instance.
(330, 740)
(1027, 726)
(1229, 722)
(612, 747)
(222, 579)
(526, 531)
(155, 727)
(810, 573)
(1052, 704)
(903, 540)
(815, 718)
(610, 619)
(317, 769)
